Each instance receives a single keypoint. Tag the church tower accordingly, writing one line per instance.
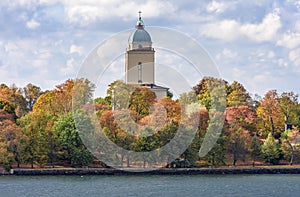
(139, 62)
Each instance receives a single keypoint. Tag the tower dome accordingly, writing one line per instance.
(139, 38)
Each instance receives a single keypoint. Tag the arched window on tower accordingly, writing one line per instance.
(140, 72)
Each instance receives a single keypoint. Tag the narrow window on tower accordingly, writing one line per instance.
(140, 72)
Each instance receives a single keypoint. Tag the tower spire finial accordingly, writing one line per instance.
(140, 24)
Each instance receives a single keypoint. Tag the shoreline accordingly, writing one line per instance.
(161, 171)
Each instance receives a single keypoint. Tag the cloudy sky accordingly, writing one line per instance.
(256, 42)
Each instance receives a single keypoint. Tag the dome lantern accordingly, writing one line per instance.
(140, 38)
(139, 23)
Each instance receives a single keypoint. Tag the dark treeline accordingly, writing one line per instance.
(38, 129)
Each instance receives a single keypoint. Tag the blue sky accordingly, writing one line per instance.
(254, 42)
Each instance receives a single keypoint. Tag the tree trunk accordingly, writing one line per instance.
(292, 157)
(144, 162)
(122, 158)
(128, 164)
(272, 125)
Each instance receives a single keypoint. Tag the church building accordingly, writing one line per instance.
(140, 60)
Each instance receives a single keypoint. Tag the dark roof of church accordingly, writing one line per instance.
(153, 86)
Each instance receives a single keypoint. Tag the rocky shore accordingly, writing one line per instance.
(163, 171)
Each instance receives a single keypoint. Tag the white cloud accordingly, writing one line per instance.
(262, 82)
(281, 62)
(271, 54)
(76, 49)
(217, 7)
(297, 26)
(32, 24)
(86, 12)
(228, 53)
(238, 73)
(229, 30)
(69, 68)
(266, 30)
(262, 54)
(10, 47)
(19, 3)
(294, 57)
(48, 2)
(289, 40)
(294, 54)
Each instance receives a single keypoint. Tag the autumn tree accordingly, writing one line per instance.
(38, 129)
(172, 108)
(206, 86)
(141, 100)
(65, 97)
(241, 123)
(271, 118)
(8, 108)
(31, 93)
(10, 143)
(288, 104)
(238, 95)
(290, 143)
(14, 97)
(188, 98)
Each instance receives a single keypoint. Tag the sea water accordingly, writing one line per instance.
(151, 185)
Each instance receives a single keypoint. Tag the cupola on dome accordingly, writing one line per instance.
(139, 38)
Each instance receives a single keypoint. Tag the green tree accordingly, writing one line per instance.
(255, 149)
(68, 134)
(102, 101)
(216, 156)
(270, 150)
(81, 157)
